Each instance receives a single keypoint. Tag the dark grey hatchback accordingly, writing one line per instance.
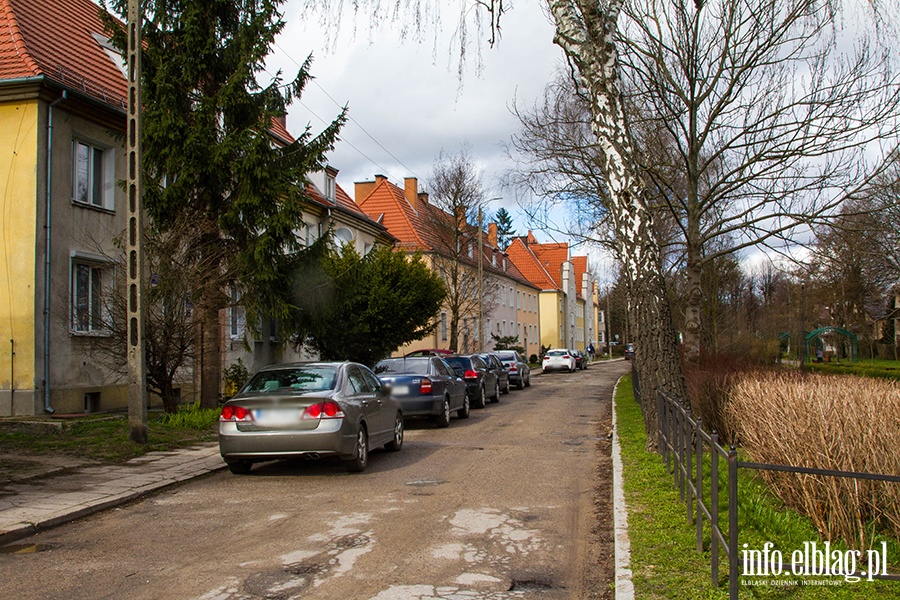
(478, 377)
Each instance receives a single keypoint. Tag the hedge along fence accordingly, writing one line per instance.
(826, 422)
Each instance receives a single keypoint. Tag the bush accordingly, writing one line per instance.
(828, 422)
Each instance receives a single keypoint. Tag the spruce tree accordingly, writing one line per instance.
(210, 154)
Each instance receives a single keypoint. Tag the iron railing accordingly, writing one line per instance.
(683, 442)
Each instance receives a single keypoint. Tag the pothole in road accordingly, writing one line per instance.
(530, 585)
(25, 548)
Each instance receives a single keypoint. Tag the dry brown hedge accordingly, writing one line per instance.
(829, 422)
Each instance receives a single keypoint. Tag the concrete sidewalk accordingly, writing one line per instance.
(49, 492)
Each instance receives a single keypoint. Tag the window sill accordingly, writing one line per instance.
(90, 334)
(100, 209)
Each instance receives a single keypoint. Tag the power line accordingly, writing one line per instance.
(349, 118)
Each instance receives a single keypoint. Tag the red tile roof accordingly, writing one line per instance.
(520, 253)
(55, 39)
(416, 226)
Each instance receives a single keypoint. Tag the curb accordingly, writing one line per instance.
(623, 584)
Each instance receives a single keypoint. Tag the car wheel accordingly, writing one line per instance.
(506, 389)
(240, 467)
(395, 444)
(443, 419)
(528, 381)
(496, 397)
(463, 413)
(358, 463)
(479, 401)
(521, 383)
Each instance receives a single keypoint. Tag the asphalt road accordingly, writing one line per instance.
(512, 503)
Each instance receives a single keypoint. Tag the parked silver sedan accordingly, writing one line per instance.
(309, 410)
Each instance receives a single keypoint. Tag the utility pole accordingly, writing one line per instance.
(137, 359)
(480, 282)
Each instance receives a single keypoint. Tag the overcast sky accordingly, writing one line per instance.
(407, 101)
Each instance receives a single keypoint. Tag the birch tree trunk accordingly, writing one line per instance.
(586, 31)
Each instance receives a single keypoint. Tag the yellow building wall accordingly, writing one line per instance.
(551, 319)
(18, 216)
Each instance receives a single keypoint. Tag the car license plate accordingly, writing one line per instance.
(276, 417)
(401, 390)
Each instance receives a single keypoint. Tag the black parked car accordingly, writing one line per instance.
(495, 364)
(518, 369)
(629, 351)
(425, 386)
(580, 359)
(480, 381)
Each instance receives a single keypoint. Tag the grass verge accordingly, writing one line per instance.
(105, 437)
(664, 559)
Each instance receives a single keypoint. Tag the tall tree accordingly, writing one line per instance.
(456, 196)
(750, 121)
(210, 153)
(505, 230)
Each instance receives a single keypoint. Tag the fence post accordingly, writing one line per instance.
(732, 524)
(714, 504)
(698, 457)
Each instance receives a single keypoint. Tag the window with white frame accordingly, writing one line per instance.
(89, 280)
(330, 186)
(236, 316)
(92, 174)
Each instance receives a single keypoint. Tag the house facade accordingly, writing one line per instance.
(62, 122)
(568, 305)
(486, 288)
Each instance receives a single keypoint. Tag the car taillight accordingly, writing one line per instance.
(567, 356)
(513, 367)
(324, 410)
(470, 374)
(232, 412)
(426, 387)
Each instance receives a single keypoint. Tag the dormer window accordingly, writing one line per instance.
(112, 52)
(504, 263)
(471, 250)
(330, 187)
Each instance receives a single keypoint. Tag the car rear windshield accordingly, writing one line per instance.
(558, 353)
(508, 355)
(413, 366)
(459, 362)
(298, 379)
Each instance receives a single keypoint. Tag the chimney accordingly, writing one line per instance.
(530, 239)
(492, 234)
(362, 189)
(411, 190)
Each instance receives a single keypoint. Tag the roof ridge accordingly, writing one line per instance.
(15, 34)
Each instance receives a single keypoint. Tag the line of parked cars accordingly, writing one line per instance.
(343, 409)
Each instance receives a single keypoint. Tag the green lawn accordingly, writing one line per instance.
(665, 562)
(887, 369)
(105, 437)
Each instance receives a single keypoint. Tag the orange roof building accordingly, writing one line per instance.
(509, 300)
(567, 306)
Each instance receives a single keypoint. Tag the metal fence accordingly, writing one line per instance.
(683, 443)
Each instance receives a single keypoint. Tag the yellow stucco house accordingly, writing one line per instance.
(62, 120)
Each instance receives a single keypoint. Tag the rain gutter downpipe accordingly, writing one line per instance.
(47, 408)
